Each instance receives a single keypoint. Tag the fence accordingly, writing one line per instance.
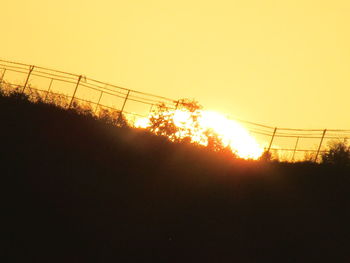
(295, 144)
(79, 88)
(286, 143)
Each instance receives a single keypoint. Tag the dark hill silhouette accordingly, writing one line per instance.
(75, 189)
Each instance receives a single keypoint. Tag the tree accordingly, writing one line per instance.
(187, 129)
(162, 121)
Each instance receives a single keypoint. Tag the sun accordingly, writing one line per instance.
(230, 133)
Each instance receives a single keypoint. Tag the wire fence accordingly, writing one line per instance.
(283, 143)
(79, 88)
(290, 144)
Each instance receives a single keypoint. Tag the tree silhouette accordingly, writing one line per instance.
(162, 123)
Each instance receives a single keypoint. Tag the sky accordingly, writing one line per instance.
(281, 63)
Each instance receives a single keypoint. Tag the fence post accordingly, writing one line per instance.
(31, 68)
(177, 104)
(2, 76)
(122, 109)
(319, 147)
(273, 136)
(295, 148)
(75, 91)
(98, 102)
(48, 90)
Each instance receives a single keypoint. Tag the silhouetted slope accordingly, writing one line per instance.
(78, 190)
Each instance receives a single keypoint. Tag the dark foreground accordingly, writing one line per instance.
(77, 190)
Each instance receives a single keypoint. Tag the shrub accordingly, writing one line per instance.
(338, 154)
(112, 117)
(266, 156)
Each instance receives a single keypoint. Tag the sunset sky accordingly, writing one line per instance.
(282, 63)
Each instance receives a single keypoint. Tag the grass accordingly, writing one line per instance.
(78, 189)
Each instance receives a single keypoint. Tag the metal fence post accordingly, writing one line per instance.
(31, 68)
(150, 110)
(122, 109)
(48, 90)
(75, 91)
(319, 147)
(177, 104)
(98, 102)
(273, 136)
(2, 76)
(295, 148)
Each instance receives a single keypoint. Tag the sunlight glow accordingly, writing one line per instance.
(229, 132)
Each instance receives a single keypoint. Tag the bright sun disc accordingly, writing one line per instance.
(228, 131)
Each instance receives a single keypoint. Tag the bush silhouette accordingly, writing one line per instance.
(338, 154)
(32, 95)
(266, 156)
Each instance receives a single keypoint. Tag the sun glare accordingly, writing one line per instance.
(229, 132)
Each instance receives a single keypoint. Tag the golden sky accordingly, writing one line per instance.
(282, 63)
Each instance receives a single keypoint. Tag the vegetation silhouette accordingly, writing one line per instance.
(162, 123)
(266, 156)
(78, 189)
(338, 154)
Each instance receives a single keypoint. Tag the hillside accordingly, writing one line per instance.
(76, 189)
